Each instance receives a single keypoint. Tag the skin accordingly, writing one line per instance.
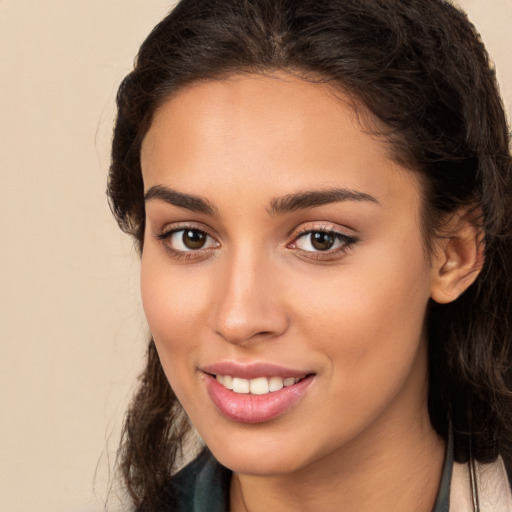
(360, 438)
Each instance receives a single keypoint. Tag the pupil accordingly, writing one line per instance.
(194, 239)
(322, 241)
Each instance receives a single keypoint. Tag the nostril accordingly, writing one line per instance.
(264, 333)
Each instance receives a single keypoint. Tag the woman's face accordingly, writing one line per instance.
(283, 255)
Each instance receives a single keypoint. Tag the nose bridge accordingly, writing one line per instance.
(248, 304)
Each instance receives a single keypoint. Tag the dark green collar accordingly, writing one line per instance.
(212, 488)
(443, 496)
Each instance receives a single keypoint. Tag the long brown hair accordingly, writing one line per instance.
(421, 70)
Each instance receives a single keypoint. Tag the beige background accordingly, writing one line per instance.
(71, 327)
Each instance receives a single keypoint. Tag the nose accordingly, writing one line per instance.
(249, 305)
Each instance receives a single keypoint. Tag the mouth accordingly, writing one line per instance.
(255, 393)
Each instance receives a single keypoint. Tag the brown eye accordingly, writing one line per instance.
(329, 242)
(193, 239)
(322, 241)
(188, 240)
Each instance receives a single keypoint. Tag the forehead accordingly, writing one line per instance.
(264, 130)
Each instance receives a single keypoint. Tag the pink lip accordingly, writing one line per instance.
(253, 370)
(248, 408)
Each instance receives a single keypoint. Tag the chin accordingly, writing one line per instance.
(255, 453)
(260, 464)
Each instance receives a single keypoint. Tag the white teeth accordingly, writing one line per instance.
(240, 385)
(258, 386)
(228, 381)
(275, 383)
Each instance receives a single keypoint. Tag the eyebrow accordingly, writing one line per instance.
(188, 201)
(278, 206)
(312, 199)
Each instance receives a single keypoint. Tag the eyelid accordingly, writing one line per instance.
(324, 227)
(182, 225)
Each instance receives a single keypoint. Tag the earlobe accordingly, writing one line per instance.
(458, 259)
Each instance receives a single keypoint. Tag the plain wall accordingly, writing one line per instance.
(71, 326)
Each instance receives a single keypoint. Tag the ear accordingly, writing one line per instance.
(458, 257)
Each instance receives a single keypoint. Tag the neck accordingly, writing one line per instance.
(385, 473)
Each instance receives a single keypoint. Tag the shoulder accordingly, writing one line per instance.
(491, 485)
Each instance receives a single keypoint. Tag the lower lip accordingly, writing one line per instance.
(247, 408)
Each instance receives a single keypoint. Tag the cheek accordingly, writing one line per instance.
(173, 307)
(369, 319)
(172, 297)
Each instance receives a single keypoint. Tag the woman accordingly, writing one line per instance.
(322, 195)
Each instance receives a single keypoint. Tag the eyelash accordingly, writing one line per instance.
(167, 234)
(346, 243)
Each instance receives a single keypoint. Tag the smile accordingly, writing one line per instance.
(255, 393)
(257, 386)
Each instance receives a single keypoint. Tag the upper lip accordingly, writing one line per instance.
(253, 370)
